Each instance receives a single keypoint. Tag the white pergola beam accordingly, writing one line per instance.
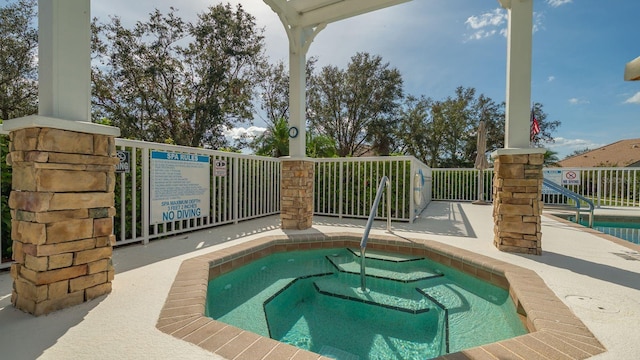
(286, 13)
(632, 70)
(519, 63)
(303, 20)
(336, 11)
(64, 59)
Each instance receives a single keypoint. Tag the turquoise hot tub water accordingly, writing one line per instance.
(413, 308)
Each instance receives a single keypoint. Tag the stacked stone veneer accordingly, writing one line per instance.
(517, 204)
(296, 192)
(62, 208)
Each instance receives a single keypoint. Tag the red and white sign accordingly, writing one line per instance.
(570, 177)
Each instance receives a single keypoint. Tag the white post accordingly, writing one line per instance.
(297, 94)
(519, 49)
(64, 56)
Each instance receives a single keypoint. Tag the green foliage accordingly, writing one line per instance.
(5, 182)
(360, 181)
(551, 158)
(443, 133)
(168, 79)
(18, 48)
(274, 141)
(546, 127)
(320, 146)
(273, 89)
(356, 106)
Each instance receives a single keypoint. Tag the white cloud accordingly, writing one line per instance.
(565, 146)
(495, 22)
(576, 101)
(487, 24)
(551, 78)
(556, 3)
(496, 17)
(635, 99)
(240, 132)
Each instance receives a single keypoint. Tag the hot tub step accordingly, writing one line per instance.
(411, 302)
(402, 272)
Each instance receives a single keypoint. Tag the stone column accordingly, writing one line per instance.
(296, 194)
(517, 205)
(62, 207)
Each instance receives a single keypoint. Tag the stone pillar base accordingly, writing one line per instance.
(62, 208)
(296, 194)
(517, 187)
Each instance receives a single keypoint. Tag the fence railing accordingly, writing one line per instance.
(604, 186)
(460, 184)
(346, 187)
(246, 187)
(608, 186)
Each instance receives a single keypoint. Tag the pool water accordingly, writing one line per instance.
(413, 308)
(623, 228)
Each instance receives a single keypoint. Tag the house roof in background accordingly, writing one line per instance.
(623, 153)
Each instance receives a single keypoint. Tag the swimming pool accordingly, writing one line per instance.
(413, 307)
(623, 227)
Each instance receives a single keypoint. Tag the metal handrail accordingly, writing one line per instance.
(374, 209)
(575, 196)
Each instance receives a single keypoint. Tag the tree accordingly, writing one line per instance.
(18, 48)
(356, 105)
(275, 142)
(273, 92)
(273, 89)
(546, 127)
(167, 80)
(419, 129)
(551, 158)
(578, 152)
(320, 146)
(443, 133)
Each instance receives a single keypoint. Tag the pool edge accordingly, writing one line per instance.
(613, 239)
(554, 331)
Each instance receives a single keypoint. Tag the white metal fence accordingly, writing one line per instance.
(608, 186)
(246, 187)
(461, 184)
(346, 187)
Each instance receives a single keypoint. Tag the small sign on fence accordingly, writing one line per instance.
(220, 168)
(125, 160)
(570, 177)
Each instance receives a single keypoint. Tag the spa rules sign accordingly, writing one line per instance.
(179, 186)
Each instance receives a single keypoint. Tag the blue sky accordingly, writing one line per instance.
(580, 48)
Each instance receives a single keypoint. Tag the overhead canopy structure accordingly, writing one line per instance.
(312, 13)
(632, 70)
(303, 20)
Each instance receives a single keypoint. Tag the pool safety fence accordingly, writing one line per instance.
(604, 186)
(346, 187)
(243, 187)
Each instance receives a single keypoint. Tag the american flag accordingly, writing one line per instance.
(535, 126)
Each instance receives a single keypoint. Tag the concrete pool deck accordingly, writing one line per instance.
(598, 279)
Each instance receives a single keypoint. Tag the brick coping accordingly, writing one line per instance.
(554, 331)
